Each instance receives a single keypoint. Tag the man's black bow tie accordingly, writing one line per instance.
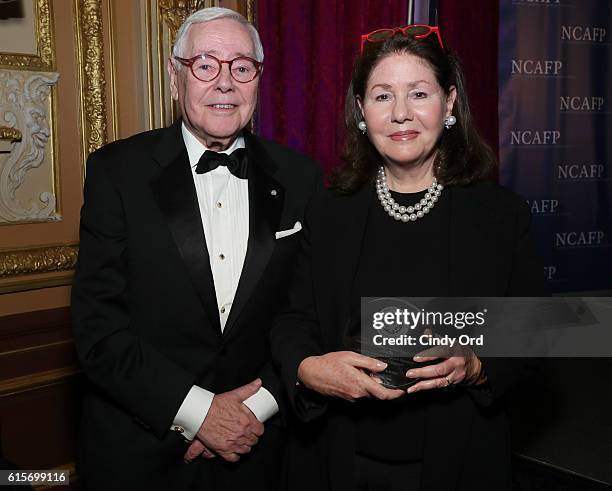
(236, 162)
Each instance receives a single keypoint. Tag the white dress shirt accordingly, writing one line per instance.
(224, 208)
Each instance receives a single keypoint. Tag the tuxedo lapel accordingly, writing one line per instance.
(175, 193)
(266, 199)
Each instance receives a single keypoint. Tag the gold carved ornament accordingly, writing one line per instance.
(175, 12)
(12, 134)
(91, 57)
(39, 260)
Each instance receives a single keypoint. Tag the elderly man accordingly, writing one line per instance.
(188, 236)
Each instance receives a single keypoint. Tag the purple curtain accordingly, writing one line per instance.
(309, 49)
(471, 30)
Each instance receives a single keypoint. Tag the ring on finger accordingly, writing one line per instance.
(448, 381)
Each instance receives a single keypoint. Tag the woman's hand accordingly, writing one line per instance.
(341, 374)
(465, 370)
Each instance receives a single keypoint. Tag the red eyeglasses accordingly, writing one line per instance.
(419, 31)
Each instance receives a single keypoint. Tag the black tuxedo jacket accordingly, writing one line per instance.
(144, 310)
(467, 441)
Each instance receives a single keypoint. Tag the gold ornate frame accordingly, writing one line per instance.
(90, 59)
(54, 265)
(44, 59)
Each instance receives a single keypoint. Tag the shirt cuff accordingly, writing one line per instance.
(262, 404)
(192, 412)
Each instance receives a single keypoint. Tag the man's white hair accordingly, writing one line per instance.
(207, 15)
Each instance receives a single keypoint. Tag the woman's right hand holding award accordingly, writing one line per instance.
(346, 375)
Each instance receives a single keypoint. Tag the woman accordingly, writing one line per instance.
(409, 214)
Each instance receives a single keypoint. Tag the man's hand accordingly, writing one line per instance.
(341, 374)
(197, 448)
(230, 429)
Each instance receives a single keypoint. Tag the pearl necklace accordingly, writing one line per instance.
(406, 213)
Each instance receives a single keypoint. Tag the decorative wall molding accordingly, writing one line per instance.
(38, 380)
(45, 57)
(41, 381)
(25, 104)
(25, 283)
(36, 348)
(90, 57)
(21, 269)
(38, 260)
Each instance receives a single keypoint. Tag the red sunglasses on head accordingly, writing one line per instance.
(419, 31)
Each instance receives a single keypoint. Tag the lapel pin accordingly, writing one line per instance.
(273, 192)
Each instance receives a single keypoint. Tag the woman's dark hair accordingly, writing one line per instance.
(463, 156)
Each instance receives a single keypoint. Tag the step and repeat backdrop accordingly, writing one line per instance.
(555, 132)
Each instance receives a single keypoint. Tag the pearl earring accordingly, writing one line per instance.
(449, 122)
(363, 127)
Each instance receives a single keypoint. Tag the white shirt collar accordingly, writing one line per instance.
(195, 148)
